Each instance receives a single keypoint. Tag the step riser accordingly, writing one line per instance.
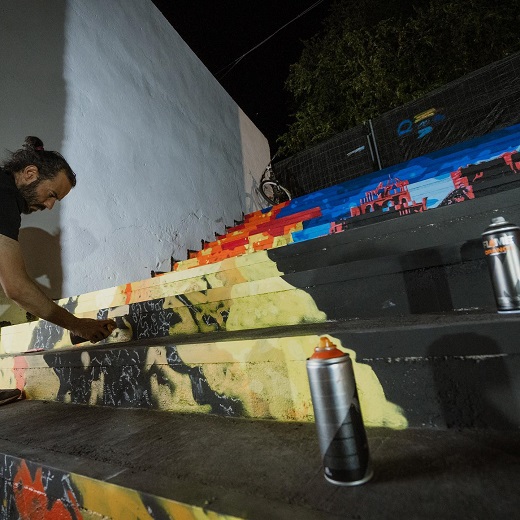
(436, 377)
(470, 392)
(264, 379)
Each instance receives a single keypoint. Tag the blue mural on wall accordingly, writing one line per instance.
(460, 172)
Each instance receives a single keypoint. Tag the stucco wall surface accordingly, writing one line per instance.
(164, 156)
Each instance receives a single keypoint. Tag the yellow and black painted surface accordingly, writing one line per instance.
(32, 490)
(263, 378)
(246, 292)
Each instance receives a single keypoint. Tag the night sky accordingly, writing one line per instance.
(220, 32)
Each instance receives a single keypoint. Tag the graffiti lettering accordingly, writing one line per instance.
(404, 127)
(422, 123)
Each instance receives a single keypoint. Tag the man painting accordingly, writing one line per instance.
(34, 179)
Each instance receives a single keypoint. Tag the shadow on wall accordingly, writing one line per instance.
(427, 289)
(439, 279)
(33, 102)
(475, 390)
(42, 255)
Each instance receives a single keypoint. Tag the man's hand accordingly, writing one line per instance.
(19, 287)
(93, 330)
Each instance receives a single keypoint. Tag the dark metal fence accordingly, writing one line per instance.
(474, 105)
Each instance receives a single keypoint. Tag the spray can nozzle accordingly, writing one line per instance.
(326, 349)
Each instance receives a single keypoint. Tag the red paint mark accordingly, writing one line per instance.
(33, 503)
(20, 366)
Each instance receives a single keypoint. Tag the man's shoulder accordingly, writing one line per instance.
(9, 191)
(6, 181)
(10, 207)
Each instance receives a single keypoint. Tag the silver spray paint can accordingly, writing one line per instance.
(341, 432)
(501, 241)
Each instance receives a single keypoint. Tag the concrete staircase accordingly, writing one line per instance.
(198, 406)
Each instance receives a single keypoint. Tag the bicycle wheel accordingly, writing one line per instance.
(274, 193)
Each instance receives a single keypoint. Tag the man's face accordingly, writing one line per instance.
(42, 194)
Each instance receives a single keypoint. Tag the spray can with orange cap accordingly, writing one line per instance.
(341, 433)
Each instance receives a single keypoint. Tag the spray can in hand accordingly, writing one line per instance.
(341, 433)
(501, 241)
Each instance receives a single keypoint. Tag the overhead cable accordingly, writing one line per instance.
(234, 63)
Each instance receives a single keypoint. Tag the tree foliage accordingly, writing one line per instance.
(375, 55)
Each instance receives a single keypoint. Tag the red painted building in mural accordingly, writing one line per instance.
(392, 196)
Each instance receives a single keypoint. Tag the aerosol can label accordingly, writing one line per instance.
(501, 247)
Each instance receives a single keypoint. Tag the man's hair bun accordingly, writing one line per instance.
(33, 143)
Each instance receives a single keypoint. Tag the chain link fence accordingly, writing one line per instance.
(474, 105)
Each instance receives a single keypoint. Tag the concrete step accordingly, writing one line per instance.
(409, 299)
(461, 223)
(427, 370)
(129, 464)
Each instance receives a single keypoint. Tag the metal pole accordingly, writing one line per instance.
(372, 136)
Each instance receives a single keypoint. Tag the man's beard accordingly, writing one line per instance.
(29, 194)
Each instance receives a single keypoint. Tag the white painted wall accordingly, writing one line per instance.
(164, 157)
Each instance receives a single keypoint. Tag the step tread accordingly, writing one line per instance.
(265, 469)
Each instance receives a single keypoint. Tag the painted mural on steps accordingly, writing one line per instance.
(30, 490)
(462, 172)
(262, 378)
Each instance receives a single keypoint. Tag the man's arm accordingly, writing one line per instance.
(20, 288)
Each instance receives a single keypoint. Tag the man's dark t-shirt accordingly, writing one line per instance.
(12, 204)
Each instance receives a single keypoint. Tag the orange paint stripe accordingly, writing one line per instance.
(128, 292)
